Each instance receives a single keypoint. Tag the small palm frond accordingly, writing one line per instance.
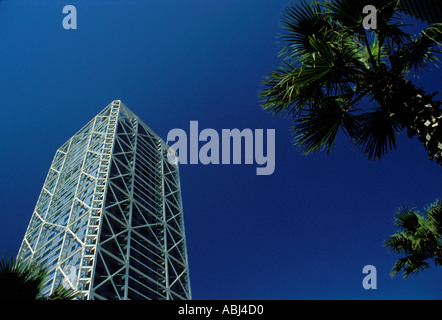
(23, 280)
(399, 243)
(332, 69)
(388, 30)
(434, 34)
(347, 12)
(377, 133)
(336, 59)
(420, 51)
(378, 51)
(434, 217)
(286, 92)
(299, 22)
(416, 238)
(317, 129)
(407, 219)
(62, 293)
(409, 265)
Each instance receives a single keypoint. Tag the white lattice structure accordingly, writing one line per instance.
(109, 219)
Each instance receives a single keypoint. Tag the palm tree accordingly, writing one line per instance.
(22, 281)
(334, 74)
(418, 237)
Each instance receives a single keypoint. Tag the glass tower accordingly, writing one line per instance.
(426, 10)
(109, 219)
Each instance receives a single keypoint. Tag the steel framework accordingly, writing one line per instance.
(109, 219)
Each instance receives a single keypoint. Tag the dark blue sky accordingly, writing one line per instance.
(304, 232)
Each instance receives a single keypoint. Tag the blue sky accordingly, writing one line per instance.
(304, 232)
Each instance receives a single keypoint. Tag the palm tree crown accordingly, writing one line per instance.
(25, 281)
(418, 237)
(335, 74)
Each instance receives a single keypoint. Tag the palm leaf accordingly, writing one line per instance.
(417, 237)
(377, 133)
(317, 129)
(299, 22)
(434, 211)
(420, 51)
(388, 30)
(399, 243)
(61, 293)
(23, 281)
(409, 265)
(286, 92)
(407, 219)
(349, 13)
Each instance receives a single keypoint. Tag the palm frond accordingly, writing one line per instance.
(407, 219)
(389, 30)
(23, 281)
(332, 69)
(409, 265)
(420, 51)
(62, 293)
(417, 238)
(379, 52)
(299, 22)
(349, 13)
(377, 134)
(286, 92)
(317, 129)
(434, 217)
(337, 52)
(399, 243)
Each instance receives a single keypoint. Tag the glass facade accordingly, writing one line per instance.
(426, 10)
(109, 219)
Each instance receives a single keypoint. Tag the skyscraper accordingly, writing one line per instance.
(426, 10)
(109, 219)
